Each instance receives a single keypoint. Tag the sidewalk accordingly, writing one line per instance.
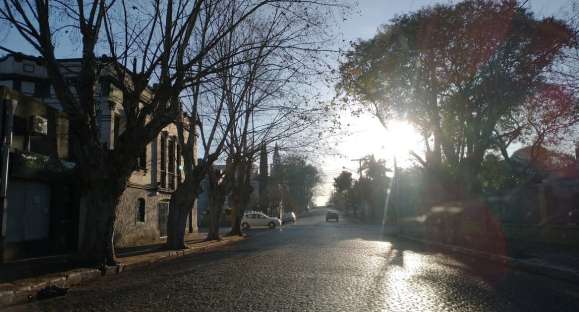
(21, 281)
(543, 261)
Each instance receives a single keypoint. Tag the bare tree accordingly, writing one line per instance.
(212, 116)
(157, 37)
(276, 71)
(224, 103)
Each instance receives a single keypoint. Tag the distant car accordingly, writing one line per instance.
(289, 217)
(256, 218)
(331, 215)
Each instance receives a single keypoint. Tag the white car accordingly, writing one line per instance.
(256, 218)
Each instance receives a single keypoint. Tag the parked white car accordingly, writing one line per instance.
(256, 218)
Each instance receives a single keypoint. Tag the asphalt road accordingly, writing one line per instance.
(314, 266)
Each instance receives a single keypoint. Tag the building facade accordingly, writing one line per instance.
(144, 206)
(38, 197)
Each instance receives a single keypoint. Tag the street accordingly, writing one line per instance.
(319, 266)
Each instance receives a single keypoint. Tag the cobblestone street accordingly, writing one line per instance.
(318, 266)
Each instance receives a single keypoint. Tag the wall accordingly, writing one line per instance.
(143, 183)
(129, 231)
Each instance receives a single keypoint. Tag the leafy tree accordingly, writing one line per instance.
(498, 176)
(548, 118)
(374, 169)
(343, 182)
(456, 72)
(378, 182)
(300, 178)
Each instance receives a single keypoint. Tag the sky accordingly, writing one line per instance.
(366, 134)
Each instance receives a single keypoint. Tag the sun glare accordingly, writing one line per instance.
(402, 138)
(397, 140)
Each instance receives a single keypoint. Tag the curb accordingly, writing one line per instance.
(552, 271)
(25, 290)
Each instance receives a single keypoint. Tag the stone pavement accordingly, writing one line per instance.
(318, 266)
(21, 281)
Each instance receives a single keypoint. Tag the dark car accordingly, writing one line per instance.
(289, 217)
(331, 215)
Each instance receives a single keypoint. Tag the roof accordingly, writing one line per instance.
(39, 59)
(110, 76)
(543, 159)
(19, 55)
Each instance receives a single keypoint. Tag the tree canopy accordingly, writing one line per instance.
(301, 178)
(343, 182)
(458, 72)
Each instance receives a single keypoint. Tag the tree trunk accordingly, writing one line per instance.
(179, 208)
(215, 210)
(236, 212)
(241, 196)
(471, 181)
(97, 246)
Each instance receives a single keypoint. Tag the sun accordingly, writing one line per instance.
(366, 136)
(401, 139)
(369, 137)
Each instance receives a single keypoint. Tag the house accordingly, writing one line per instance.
(143, 208)
(550, 197)
(39, 204)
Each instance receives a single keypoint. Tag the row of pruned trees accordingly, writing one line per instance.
(222, 71)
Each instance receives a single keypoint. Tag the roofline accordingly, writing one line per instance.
(66, 60)
(104, 57)
(40, 58)
(22, 55)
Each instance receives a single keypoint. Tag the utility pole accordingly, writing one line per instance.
(362, 203)
(390, 218)
(359, 160)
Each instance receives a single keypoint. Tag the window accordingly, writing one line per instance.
(28, 68)
(141, 210)
(73, 84)
(28, 87)
(163, 151)
(171, 164)
(16, 84)
(105, 88)
(142, 159)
